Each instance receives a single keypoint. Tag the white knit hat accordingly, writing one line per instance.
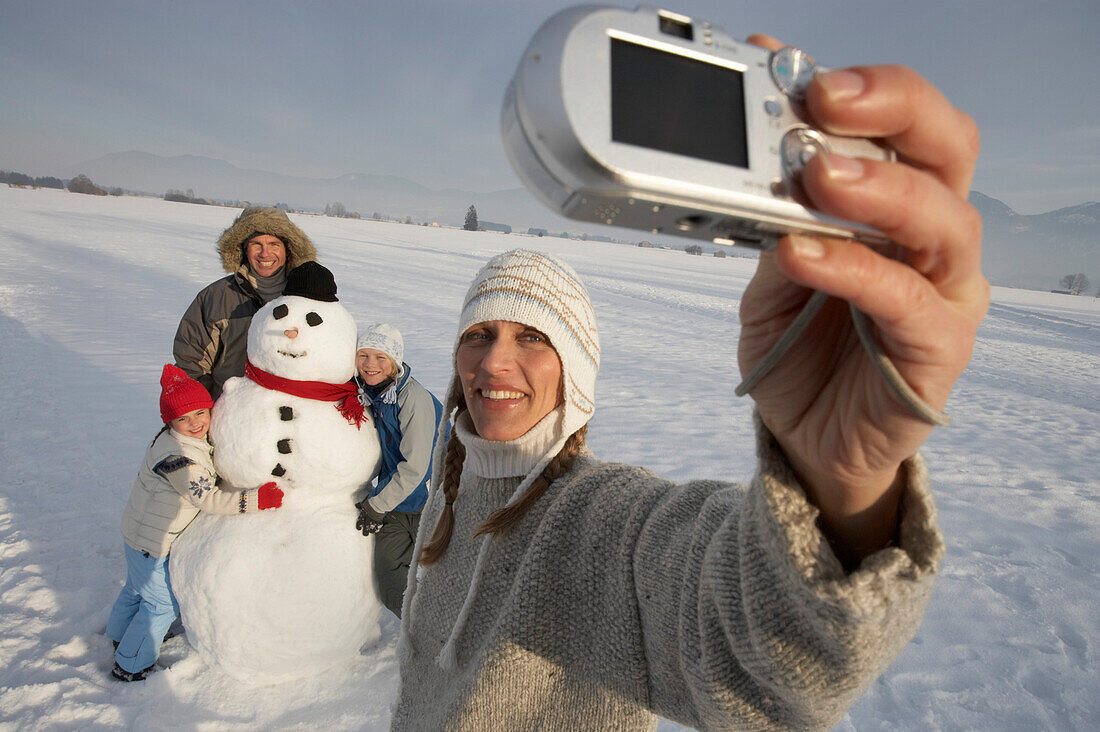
(543, 292)
(385, 338)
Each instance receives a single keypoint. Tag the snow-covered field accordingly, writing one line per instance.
(91, 290)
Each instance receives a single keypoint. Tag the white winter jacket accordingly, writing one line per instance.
(175, 482)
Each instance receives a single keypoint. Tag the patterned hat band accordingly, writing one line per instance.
(385, 338)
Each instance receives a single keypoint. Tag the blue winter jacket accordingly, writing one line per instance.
(407, 417)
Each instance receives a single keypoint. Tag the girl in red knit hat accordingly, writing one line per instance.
(175, 482)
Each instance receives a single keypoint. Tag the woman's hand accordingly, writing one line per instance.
(840, 425)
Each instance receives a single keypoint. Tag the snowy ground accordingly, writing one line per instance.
(91, 290)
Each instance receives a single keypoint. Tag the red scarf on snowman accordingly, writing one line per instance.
(346, 394)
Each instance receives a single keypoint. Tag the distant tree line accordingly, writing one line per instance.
(339, 210)
(83, 184)
(184, 197)
(79, 184)
(14, 178)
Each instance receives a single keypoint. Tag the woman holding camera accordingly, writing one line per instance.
(561, 592)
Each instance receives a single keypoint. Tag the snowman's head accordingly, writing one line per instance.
(302, 338)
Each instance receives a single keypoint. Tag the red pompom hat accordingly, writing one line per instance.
(180, 394)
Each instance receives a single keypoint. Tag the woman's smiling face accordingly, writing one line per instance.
(511, 377)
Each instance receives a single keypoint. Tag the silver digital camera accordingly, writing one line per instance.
(650, 120)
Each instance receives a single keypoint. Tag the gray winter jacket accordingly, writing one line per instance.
(212, 338)
(620, 595)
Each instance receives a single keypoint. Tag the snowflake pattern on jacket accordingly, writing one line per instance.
(200, 486)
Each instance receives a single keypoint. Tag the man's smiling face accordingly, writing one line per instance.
(266, 254)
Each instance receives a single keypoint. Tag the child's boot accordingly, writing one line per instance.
(123, 675)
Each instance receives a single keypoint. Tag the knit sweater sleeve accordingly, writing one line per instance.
(748, 618)
(197, 485)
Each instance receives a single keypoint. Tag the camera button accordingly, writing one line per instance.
(773, 108)
(799, 147)
(792, 71)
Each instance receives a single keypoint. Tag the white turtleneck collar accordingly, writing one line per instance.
(492, 459)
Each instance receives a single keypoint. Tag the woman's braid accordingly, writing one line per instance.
(453, 459)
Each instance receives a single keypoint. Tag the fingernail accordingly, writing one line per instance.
(806, 248)
(841, 168)
(841, 85)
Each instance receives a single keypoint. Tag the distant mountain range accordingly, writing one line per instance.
(389, 195)
(1018, 250)
(1036, 251)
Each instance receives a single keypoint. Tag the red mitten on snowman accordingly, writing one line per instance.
(269, 495)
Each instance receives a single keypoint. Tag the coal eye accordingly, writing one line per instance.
(313, 319)
(280, 312)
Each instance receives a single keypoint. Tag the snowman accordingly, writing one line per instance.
(280, 595)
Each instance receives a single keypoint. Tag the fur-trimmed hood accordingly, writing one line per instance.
(264, 220)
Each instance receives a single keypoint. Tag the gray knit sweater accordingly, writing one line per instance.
(621, 595)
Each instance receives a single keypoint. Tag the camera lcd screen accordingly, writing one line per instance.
(680, 105)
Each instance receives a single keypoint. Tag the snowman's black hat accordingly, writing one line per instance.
(311, 280)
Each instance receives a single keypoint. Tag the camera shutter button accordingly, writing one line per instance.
(798, 148)
(792, 71)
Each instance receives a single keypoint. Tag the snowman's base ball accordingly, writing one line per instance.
(278, 595)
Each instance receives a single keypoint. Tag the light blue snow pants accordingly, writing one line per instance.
(143, 611)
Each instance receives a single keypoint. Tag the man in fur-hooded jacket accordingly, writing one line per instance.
(257, 251)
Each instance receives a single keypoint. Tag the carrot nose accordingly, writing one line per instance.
(291, 333)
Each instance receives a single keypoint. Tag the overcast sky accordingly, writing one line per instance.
(413, 87)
